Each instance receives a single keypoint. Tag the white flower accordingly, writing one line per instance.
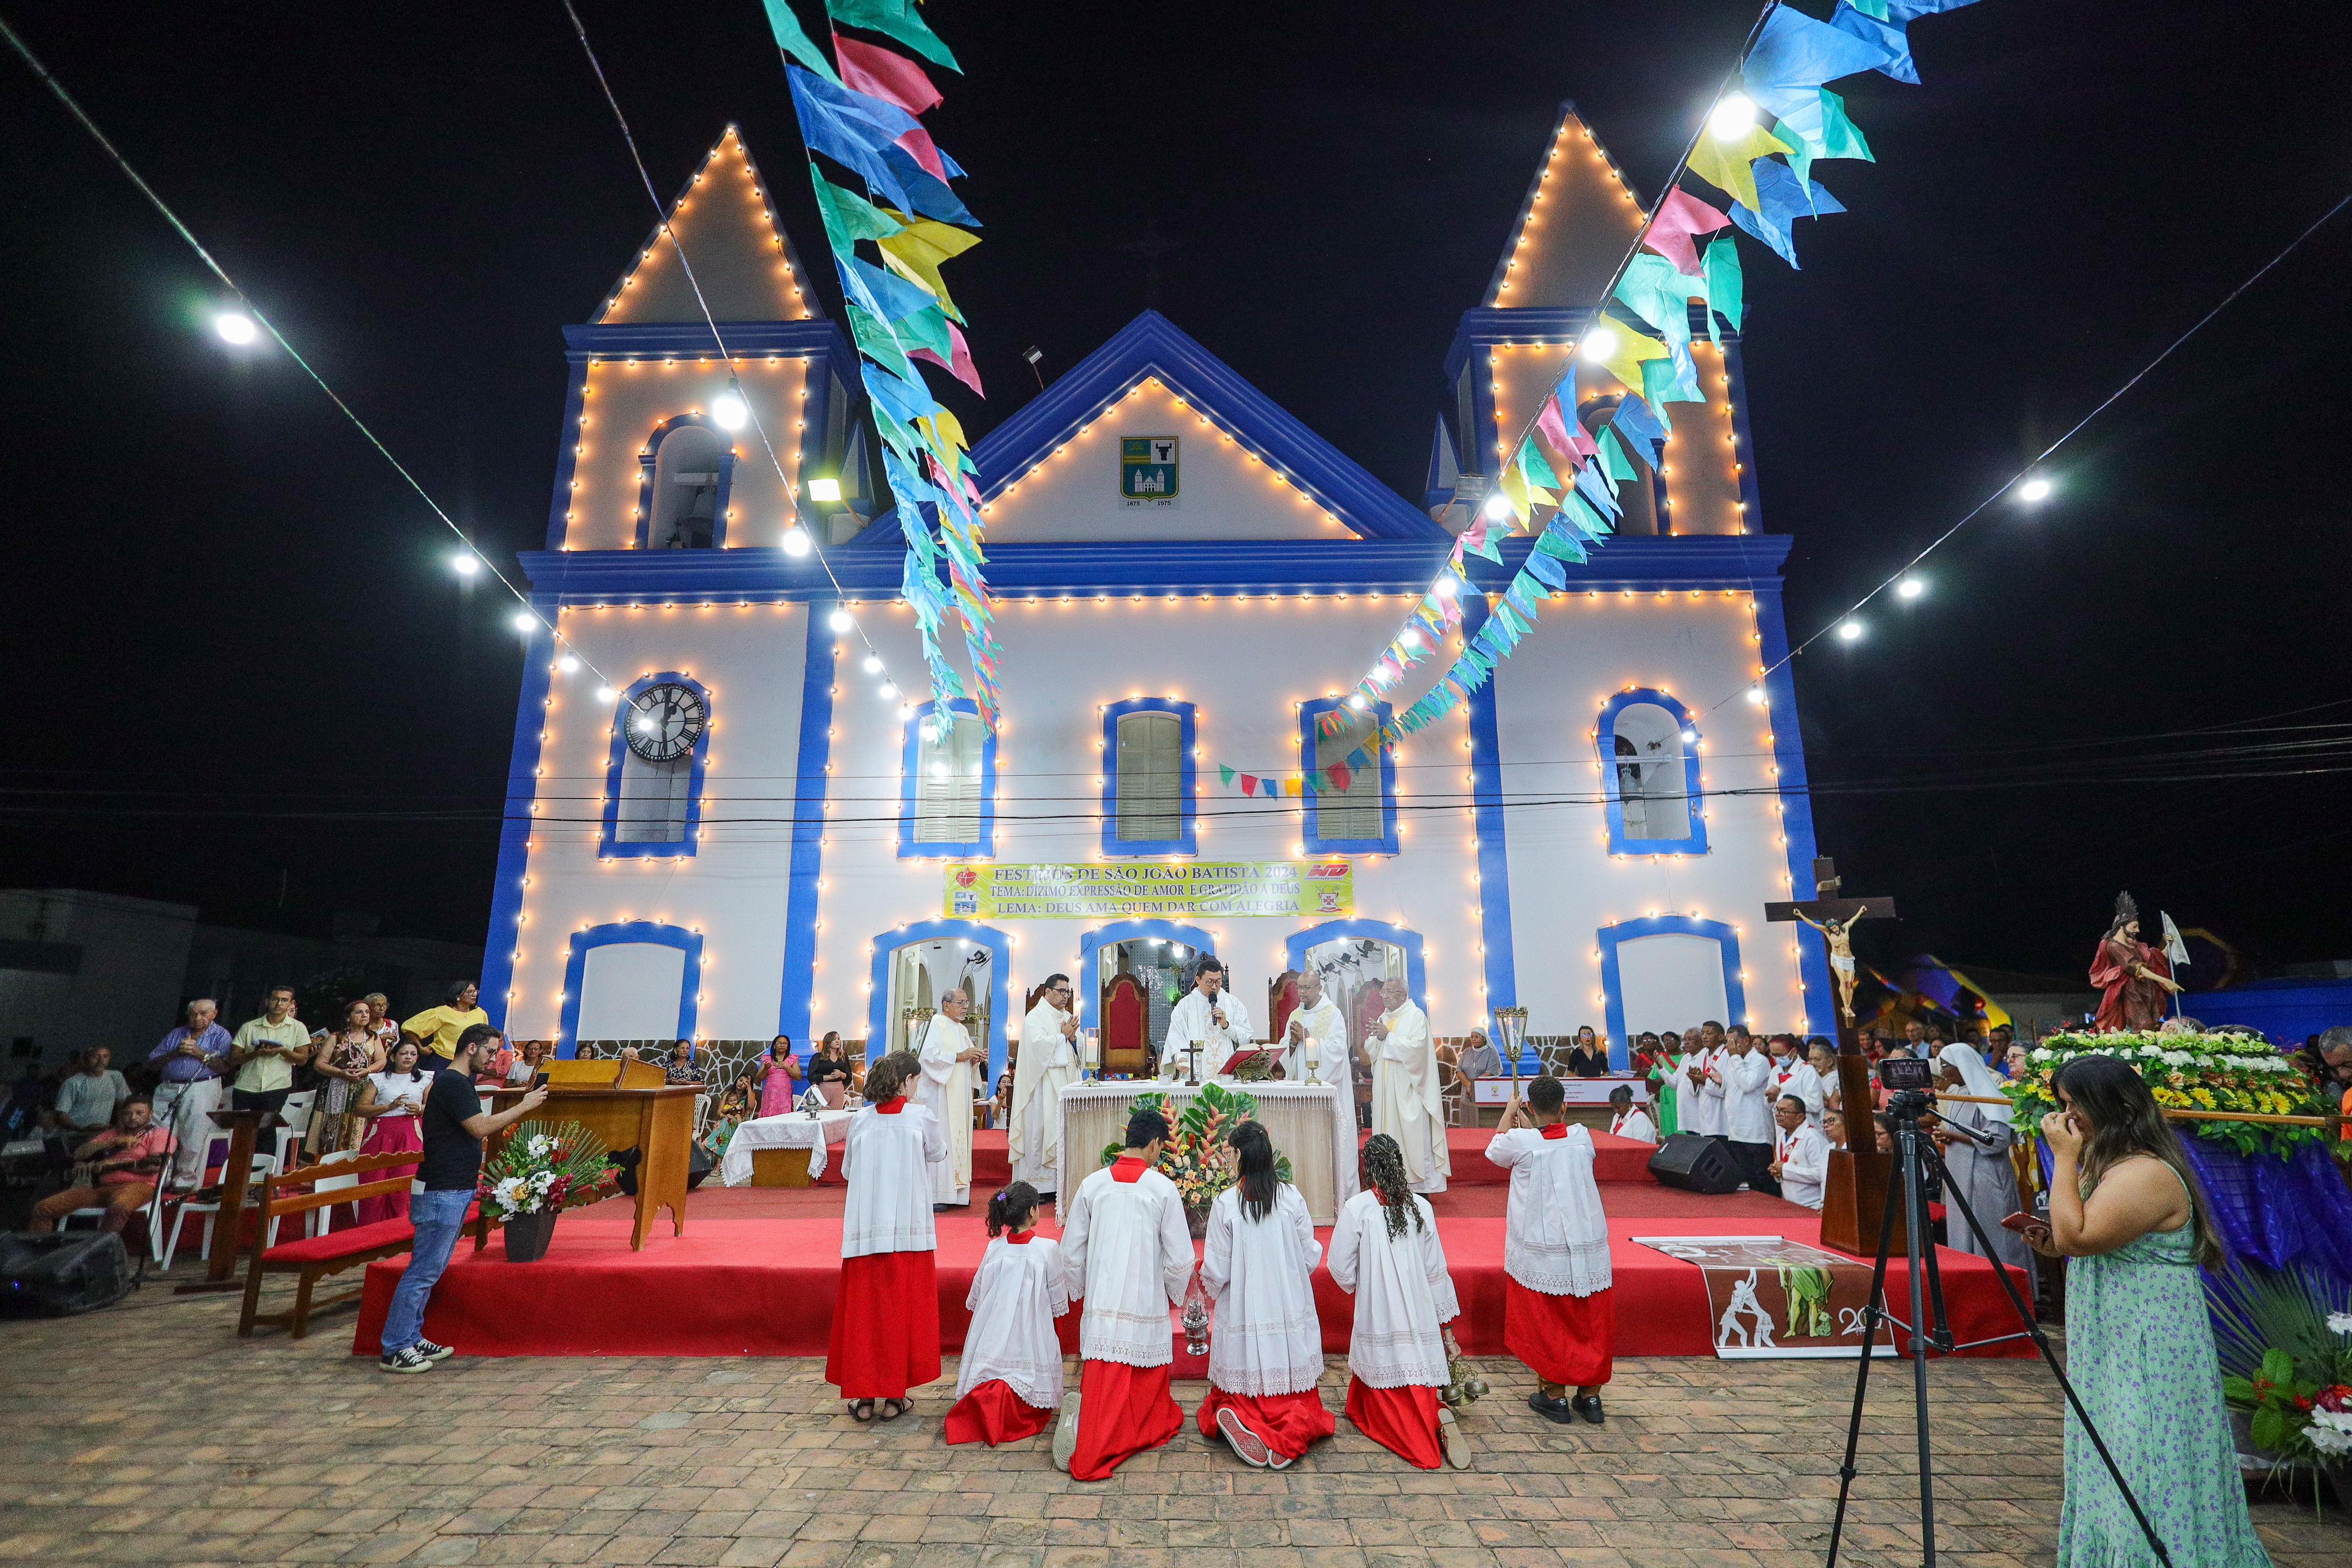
(2339, 1322)
(2330, 1431)
(2041, 1053)
(509, 1192)
(2177, 1058)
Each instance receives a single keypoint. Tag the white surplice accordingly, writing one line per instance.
(1127, 1253)
(1804, 1156)
(1033, 1130)
(1016, 1294)
(1189, 1020)
(1635, 1124)
(1407, 1104)
(1747, 1098)
(947, 1087)
(1327, 1031)
(1260, 1273)
(1556, 1237)
(1804, 1081)
(1706, 1105)
(1404, 1294)
(888, 1160)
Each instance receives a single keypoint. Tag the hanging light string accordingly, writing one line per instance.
(874, 660)
(474, 553)
(2025, 477)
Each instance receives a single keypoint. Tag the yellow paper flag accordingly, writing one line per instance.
(916, 251)
(1514, 486)
(1625, 355)
(1725, 163)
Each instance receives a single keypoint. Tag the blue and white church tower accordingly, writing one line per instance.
(1189, 578)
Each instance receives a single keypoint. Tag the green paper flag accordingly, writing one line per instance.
(898, 19)
(1538, 471)
(1721, 266)
(1841, 135)
(1226, 774)
(1484, 544)
(1613, 461)
(878, 342)
(848, 217)
(795, 42)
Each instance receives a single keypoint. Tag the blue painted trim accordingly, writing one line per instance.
(505, 933)
(609, 846)
(1796, 806)
(681, 339)
(810, 791)
(1000, 951)
(575, 972)
(1416, 976)
(1695, 797)
(649, 462)
(1088, 973)
(1386, 844)
(1751, 500)
(567, 457)
(1256, 567)
(1483, 423)
(1151, 345)
(910, 754)
(1486, 327)
(1494, 838)
(1188, 800)
(1726, 942)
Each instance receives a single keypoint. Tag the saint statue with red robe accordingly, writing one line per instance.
(2135, 979)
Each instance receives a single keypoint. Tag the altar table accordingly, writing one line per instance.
(792, 1130)
(1298, 1117)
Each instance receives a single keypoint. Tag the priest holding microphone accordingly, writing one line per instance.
(1218, 1021)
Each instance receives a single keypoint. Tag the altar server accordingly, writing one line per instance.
(1407, 1104)
(1801, 1156)
(1385, 1253)
(1266, 1354)
(1126, 1249)
(1702, 1104)
(885, 1317)
(1319, 1029)
(1048, 1060)
(946, 1085)
(1210, 1015)
(1559, 1313)
(1975, 1143)
(1746, 1078)
(1009, 1385)
(1628, 1120)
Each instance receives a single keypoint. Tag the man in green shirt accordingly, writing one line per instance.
(265, 1053)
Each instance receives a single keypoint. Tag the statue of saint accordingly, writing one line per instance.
(2135, 978)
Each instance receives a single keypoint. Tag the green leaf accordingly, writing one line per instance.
(2278, 1365)
(2238, 1391)
(2269, 1427)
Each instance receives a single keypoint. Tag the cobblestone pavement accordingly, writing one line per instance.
(149, 1433)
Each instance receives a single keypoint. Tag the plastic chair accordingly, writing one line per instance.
(263, 1170)
(318, 1221)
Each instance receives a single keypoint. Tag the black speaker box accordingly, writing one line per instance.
(1695, 1163)
(62, 1274)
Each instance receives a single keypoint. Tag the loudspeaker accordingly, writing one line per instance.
(1695, 1163)
(698, 1167)
(62, 1274)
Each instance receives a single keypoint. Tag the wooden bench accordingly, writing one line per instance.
(313, 1257)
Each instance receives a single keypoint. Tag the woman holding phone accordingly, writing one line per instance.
(2124, 1204)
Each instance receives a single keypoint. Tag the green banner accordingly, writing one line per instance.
(1276, 890)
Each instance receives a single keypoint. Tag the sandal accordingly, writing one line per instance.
(861, 1411)
(894, 1408)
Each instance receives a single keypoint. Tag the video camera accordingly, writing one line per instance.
(1909, 1083)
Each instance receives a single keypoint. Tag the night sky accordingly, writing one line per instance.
(260, 690)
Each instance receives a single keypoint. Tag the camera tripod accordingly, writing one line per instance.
(1915, 1158)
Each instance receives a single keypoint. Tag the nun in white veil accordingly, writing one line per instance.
(1975, 1142)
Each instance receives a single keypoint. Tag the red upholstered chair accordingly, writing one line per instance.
(1123, 1047)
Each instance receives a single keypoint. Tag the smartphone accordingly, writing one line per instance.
(538, 1081)
(2022, 1222)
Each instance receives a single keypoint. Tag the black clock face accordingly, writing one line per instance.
(664, 722)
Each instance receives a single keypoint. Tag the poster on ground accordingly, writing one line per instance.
(1770, 1297)
(1283, 890)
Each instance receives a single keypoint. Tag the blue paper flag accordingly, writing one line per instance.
(855, 131)
(1911, 10)
(1794, 55)
(1636, 421)
(889, 296)
(908, 400)
(1545, 569)
(1785, 199)
(924, 192)
(1888, 37)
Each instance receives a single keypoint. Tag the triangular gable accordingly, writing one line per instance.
(1444, 466)
(1578, 219)
(726, 222)
(1150, 357)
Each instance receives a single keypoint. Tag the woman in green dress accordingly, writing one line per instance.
(1654, 1061)
(2139, 1347)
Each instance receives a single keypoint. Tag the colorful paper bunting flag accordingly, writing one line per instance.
(1724, 162)
(878, 73)
(794, 40)
(1681, 218)
(897, 19)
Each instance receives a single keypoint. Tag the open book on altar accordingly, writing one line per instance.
(1261, 1058)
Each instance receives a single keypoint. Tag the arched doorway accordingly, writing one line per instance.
(1355, 957)
(917, 966)
(1129, 976)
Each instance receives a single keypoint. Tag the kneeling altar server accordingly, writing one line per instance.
(1265, 1355)
(1385, 1253)
(1011, 1383)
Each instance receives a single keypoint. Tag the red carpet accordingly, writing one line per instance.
(759, 1270)
(1621, 1160)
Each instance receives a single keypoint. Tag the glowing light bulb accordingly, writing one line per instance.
(568, 664)
(2036, 489)
(1448, 586)
(889, 692)
(1911, 588)
(939, 770)
(465, 563)
(1691, 737)
(873, 663)
(1599, 343)
(606, 694)
(1356, 700)
(235, 326)
(1850, 630)
(840, 621)
(1756, 696)
(1498, 506)
(824, 489)
(796, 540)
(1731, 117)
(524, 620)
(729, 411)
(1410, 639)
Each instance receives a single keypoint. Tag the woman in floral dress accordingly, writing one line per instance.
(2139, 1346)
(343, 1063)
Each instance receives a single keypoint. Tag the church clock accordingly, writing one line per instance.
(666, 722)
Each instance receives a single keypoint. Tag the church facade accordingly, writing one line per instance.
(1188, 578)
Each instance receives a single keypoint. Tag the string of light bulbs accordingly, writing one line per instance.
(243, 326)
(799, 539)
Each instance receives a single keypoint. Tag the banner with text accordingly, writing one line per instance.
(1279, 890)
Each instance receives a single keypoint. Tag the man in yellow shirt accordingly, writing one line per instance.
(265, 1053)
(437, 1028)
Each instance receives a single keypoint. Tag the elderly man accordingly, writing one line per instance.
(1048, 1061)
(1407, 1104)
(949, 1086)
(1314, 1051)
(1219, 1022)
(192, 1058)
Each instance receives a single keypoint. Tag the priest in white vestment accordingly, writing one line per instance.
(1210, 1015)
(1048, 1060)
(1407, 1104)
(1314, 1051)
(1746, 1074)
(950, 1076)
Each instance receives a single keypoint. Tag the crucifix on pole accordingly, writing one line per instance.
(1833, 917)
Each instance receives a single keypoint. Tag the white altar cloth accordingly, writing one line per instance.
(1297, 1116)
(792, 1130)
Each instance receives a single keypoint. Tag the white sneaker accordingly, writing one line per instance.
(1450, 1437)
(1245, 1443)
(1066, 1431)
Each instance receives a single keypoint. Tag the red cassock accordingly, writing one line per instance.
(1401, 1420)
(1123, 1411)
(886, 1325)
(1285, 1423)
(2128, 1001)
(994, 1414)
(1562, 1339)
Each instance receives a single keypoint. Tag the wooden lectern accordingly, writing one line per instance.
(630, 1105)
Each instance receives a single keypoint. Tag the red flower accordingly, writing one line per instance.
(2262, 1386)
(2302, 1404)
(2337, 1396)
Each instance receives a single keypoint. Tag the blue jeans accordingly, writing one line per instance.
(440, 1219)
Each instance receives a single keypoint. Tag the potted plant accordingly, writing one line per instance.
(2285, 1345)
(541, 1172)
(1194, 1157)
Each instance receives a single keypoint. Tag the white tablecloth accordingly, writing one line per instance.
(1298, 1117)
(793, 1130)
(1575, 1091)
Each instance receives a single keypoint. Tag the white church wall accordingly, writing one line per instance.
(628, 399)
(629, 990)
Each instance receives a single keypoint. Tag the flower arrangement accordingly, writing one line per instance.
(2285, 1344)
(544, 1170)
(2188, 1072)
(1194, 1157)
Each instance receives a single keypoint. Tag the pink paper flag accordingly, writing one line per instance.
(1340, 777)
(919, 146)
(1249, 785)
(894, 78)
(1680, 216)
(963, 370)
